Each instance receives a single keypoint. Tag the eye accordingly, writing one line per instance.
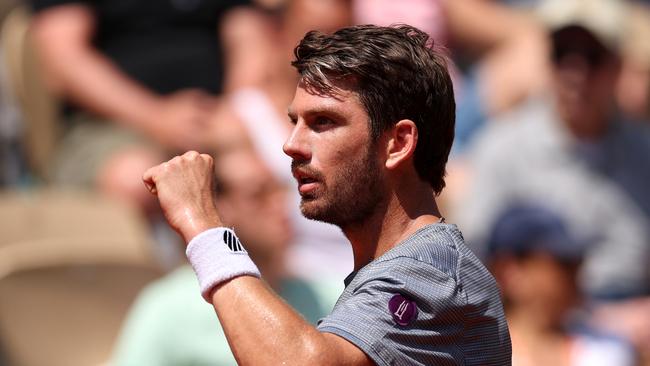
(321, 123)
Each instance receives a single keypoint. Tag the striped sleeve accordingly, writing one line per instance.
(407, 312)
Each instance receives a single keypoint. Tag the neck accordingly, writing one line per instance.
(394, 220)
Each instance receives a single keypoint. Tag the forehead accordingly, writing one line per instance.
(342, 99)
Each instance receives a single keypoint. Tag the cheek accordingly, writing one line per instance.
(333, 156)
(555, 284)
(602, 86)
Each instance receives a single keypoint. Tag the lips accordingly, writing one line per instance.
(306, 182)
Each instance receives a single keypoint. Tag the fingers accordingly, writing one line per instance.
(194, 156)
(191, 155)
(149, 179)
(151, 176)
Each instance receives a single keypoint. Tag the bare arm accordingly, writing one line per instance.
(77, 70)
(482, 25)
(511, 45)
(260, 327)
(263, 330)
(246, 35)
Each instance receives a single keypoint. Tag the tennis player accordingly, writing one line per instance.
(373, 118)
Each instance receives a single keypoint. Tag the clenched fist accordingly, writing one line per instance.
(185, 188)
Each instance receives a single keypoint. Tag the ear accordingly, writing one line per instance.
(402, 139)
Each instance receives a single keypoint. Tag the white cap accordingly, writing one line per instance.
(605, 19)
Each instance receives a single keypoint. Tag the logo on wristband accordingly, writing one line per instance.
(233, 242)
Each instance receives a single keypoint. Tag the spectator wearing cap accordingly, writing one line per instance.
(534, 258)
(571, 149)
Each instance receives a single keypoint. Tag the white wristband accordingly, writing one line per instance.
(217, 256)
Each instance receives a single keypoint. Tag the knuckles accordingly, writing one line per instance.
(190, 159)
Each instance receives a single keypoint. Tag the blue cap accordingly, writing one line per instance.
(527, 228)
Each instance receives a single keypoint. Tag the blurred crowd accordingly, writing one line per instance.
(549, 177)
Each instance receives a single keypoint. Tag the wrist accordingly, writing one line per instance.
(194, 226)
(218, 256)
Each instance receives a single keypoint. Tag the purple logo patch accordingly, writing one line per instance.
(403, 310)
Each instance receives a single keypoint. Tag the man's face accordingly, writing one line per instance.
(585, 74)
(543, 283)
(336, 164)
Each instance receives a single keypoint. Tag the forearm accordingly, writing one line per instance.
(96, 84)
(511, 48)
(259, 326)
(76, 70)
(262, 329)
(492, 25)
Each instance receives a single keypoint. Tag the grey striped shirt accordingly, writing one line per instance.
(427, 301)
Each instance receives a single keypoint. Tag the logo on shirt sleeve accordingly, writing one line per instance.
(403, 310)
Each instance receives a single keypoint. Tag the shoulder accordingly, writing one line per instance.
(438, 248)
(633, 136)
(434, 267)
(413, 292)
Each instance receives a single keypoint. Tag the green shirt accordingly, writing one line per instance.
(171, 324)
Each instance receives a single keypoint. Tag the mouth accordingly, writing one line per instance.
(306, 182)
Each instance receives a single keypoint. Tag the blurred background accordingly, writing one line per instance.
(549, 178)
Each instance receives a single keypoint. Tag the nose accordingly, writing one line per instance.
(296, 146)
(575, 70)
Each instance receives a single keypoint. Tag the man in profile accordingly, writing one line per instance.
(373, 121)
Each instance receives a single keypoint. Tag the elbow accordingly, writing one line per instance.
(318, 351)
(315, 359)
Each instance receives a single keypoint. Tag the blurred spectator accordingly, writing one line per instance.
(534, 259)
(571, 150)
(11, 162)
(170, 324)
(496, 50)
(496, 59)
(12, 165)
(257, 116)
(138, 79)
(633, 89)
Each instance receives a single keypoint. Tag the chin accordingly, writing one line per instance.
(312, 210)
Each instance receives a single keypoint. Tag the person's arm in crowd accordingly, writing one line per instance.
(74, 68)
(510, 45)
(481, 26)
(246, 35)
(260, 327)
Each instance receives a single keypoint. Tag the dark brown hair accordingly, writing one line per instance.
(398, 75)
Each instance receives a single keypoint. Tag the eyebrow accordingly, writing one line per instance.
(333, 112)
